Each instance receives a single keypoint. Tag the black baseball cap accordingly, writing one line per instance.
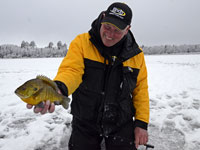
(118, 14)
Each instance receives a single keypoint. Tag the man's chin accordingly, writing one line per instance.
(108, 44)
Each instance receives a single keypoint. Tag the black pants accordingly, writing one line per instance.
(85, 137)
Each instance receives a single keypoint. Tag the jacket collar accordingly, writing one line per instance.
(130, 48)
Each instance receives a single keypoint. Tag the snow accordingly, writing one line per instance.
(174, 89)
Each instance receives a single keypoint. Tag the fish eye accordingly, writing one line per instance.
(35, 89)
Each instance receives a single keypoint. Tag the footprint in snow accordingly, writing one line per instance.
(184, 94)
(20, 123)
(196, 104)
(168, 137)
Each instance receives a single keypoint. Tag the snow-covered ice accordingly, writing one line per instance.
(174, 89)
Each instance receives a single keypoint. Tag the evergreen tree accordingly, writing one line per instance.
(59, 44)
(50, 45)
(32, 44)
(23, 44)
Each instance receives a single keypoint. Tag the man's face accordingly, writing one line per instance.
(110, 35)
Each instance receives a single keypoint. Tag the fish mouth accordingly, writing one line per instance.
(21, 95)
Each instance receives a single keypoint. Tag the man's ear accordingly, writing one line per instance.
(104, 14)
(128, 28)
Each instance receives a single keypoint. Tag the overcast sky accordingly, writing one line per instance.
(155, 22)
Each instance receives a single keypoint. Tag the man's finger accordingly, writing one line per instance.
(52, 108)
(142, 140)
(146, 139)
(46, 107)
(37, 109)
(29, 106)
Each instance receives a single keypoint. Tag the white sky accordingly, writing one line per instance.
(154, 22)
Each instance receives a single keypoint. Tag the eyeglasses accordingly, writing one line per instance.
(112, 28)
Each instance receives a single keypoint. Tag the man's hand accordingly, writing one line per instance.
(47, 106)
(44, 107)
(141, 136)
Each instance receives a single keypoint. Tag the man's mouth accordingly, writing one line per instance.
(108, 38)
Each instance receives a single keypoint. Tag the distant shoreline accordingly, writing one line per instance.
(31, 51)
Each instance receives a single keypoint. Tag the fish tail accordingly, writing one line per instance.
(65, 102)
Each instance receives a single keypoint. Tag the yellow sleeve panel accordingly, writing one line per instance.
(72, 67)
(140, 94)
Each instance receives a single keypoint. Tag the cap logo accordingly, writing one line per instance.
(117, 12)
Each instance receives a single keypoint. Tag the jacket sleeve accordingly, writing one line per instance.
(72, 67)
(141, 97)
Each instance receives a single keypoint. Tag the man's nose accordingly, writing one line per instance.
(111, 34)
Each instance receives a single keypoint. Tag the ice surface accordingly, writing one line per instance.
(174, 89)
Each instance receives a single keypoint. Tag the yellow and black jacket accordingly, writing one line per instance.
(107, 90)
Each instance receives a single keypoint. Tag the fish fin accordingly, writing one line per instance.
(40, 105)
(48, 81)
(56, 102)
(65, 102)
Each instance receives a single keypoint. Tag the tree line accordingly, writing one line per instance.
(30, 50)
(171, 49)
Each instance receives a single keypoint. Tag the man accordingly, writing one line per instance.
(105, 72)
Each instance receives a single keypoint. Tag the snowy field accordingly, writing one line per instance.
(174, 88)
